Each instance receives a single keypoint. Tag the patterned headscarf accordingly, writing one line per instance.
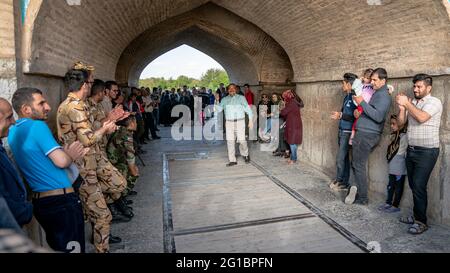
(288, 95)
(394, 146)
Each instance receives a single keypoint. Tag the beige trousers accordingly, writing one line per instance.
(236, 131)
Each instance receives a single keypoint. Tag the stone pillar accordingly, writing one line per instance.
(8, 79)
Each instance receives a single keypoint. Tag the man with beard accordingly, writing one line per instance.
(369, 130)
(117, 205)
(42, 161)
(111, 92)
(423, 114)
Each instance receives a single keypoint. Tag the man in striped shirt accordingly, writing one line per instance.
(423, 114)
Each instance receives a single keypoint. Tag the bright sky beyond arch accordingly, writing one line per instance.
(183, 60)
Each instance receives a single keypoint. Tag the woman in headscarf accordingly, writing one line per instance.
(164, 108)
(283, 147)
(294, 127)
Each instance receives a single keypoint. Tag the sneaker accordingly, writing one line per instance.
(350, 199)
(231, 164)
(361, 202)
(114, 239)
(384, 207)
(392, 209)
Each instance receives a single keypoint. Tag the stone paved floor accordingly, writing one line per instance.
(144, 234)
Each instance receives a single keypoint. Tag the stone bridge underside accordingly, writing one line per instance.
(270, 44)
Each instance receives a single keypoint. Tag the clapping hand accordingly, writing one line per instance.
(76, 150)
(336, 115)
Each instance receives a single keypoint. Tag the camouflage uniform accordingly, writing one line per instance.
(98, 114)
(121, 153)
(74, 123)
(112, 182)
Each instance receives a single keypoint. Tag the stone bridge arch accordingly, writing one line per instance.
(313, 44)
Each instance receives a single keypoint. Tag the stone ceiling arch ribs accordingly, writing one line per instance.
(186, 37)
(221, 23)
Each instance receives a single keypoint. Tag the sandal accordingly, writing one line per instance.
(417, 228)
(407, 220)
(384, 207)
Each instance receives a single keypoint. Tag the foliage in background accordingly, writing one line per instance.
(210, 79)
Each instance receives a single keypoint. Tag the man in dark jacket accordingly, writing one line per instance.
(369, 129)
(12, 188)
(346, 120)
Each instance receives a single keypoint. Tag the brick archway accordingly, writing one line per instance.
(311, 43)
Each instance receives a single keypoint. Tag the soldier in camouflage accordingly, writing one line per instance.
(111, 190)
(74, 123)
(121, 151)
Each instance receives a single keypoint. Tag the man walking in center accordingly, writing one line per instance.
(235, 107)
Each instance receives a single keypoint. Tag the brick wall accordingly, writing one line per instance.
(320, 141)
(324, 38)
(321, 39)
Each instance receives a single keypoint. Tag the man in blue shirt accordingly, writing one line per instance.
(12, 189)
(43, 163)
(235, 107)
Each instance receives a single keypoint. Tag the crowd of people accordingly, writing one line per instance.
(412, 152)
(87, 170)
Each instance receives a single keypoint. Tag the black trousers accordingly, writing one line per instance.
(420, 163)
(149, 125)
(395, 190)
(62, 219)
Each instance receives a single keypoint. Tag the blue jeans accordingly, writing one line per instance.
(268, 126)
(420, 163)
(395, 190)
(294, 148)
(343, 158)
(62, 219)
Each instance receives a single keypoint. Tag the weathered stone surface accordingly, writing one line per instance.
(270, 44)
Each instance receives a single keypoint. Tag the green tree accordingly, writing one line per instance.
(213, 77)
(210, 79)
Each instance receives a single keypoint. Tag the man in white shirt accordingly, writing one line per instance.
(423, 114)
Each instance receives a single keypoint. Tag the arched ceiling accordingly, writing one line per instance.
(239, 66)
(248, 54)
(321, 38)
